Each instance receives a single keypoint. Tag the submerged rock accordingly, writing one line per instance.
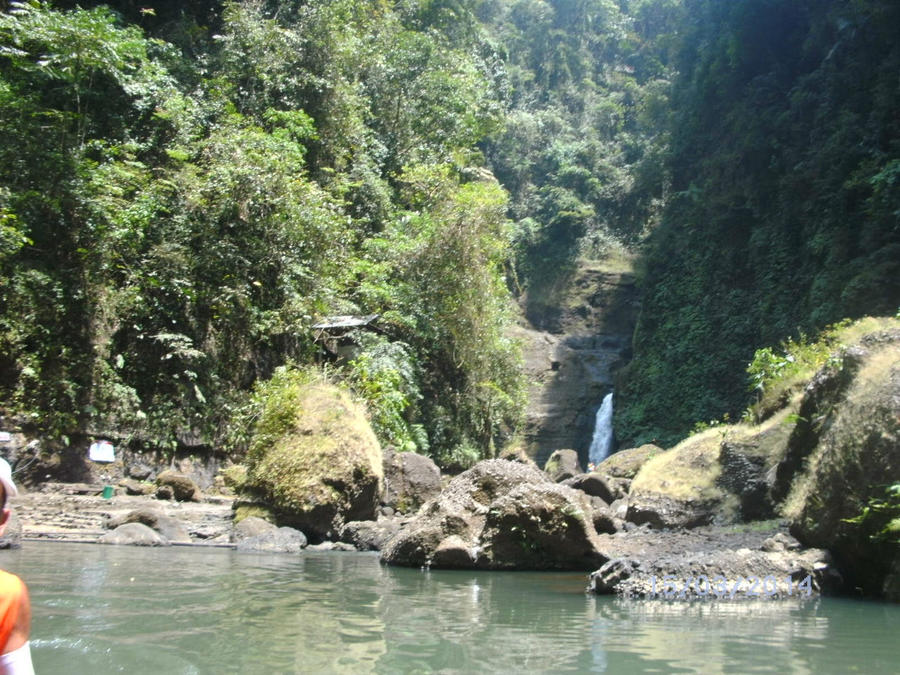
(500, 515)
(134, 534)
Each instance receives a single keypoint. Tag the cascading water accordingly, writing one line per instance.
(601, 443)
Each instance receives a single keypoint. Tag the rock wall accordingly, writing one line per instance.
(575, 339)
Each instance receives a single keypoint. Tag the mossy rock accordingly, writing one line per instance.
(855, 458)
(324, 468)
(234, 476)
(626, 463)
(722, 475)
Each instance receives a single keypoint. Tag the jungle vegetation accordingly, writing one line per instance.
(187, 188)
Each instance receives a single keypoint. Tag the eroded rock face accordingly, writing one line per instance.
(500, 515)
(410, 480)
(134, 534)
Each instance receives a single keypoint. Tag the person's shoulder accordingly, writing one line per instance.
(10, 580)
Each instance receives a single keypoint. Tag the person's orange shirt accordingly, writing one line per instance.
(12, 590)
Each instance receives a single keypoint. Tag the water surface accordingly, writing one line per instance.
(105, 609)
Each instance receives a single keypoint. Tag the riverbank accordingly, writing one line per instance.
(77, 512)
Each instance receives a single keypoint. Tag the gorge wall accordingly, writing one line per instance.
(574, 340)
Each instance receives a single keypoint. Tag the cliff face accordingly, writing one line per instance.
(574, 341)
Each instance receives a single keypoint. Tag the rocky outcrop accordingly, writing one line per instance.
(722, 475)
(562, 465)
(410, 480)
(842, 499)
(712, 562)
(324, 470)
(134, 534)
(500, 515)
(156, 520)
(177, 486)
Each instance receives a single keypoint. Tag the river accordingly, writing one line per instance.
(105, 609)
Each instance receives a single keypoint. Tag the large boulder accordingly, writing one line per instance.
(277, 540)
(177, 486)
(315, 460)
(410, 480)
(156, 520)
(844, 500)
(722, 475)
(134, 534)
(626, 463)
(593, 485)
(500, 515)
(562, 465)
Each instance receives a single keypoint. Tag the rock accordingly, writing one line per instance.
(410, 480)
(277, 540)
(165, 492)
(135, 487)
(721, 475)
(156, 520)
(12, 536)
(370, 535)
(563, 464)
(853, 405)
(134, 534)
(626, 463)
(325, 467)
(234, 476)
(182, 488)
(252, 526)
(592, 484)
(603, 519)
(639, 557)
(331, 546)
(516, 453)
(500, 515)
(139, 471)
(619, 487)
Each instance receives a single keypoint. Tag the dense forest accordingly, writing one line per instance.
(186, 189)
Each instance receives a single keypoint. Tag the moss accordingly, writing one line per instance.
(234, 476)
(324, 464)
(256, 510)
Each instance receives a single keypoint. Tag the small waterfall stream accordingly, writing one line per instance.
(601, 442)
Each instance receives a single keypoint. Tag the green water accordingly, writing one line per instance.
(100, 609)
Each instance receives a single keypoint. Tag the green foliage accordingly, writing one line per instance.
(781, 218)
(880, 517)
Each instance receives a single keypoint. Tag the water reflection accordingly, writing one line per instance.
(106, 609)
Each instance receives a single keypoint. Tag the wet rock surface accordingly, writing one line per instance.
(500, 515)
(695, 564)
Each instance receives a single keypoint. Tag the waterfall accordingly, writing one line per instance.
(601, 443)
